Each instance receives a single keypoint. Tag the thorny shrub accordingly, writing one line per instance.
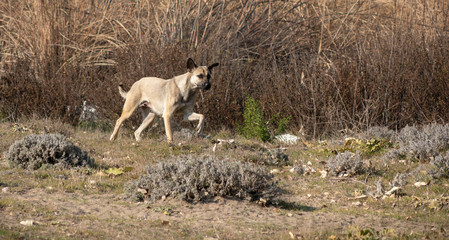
(345, 163)
(36, 151)
(191, 179)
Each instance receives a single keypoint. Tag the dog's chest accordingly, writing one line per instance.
(186, 100)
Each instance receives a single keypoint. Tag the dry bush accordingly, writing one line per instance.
(346, 163)
(36, 151)
(328, 64)
(422, 143)
(440, 166)
(380, 133)
(192, 179)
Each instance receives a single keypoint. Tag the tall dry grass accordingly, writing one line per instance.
(328, 64)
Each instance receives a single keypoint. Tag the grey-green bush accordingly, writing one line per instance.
(345, 163)
(440, 166)
(36, 151)
(422, 144)
(191, 179)
(380, 132)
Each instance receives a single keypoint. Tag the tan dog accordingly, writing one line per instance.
(162, 97)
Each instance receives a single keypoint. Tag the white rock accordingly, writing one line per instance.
(5, 190)
(275, 171)
(291, 235)
(287, 138)
(392, 191)
(141, 190)
(27, 222)
(220, 141)
(361, 197)
(323, 174)
(420, 184)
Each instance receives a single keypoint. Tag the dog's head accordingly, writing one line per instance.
(200, 75)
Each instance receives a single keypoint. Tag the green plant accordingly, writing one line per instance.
(98, 125)
(367, 147)
(279, 124)
(254, 125)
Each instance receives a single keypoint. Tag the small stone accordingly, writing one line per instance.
(27, 223)
(5, 190)
(323, 174)
(361, 197)
(141, 190)
(392, 191)
(358, 204)
(289, 214)
(291, 235)
(275, 171)
(420, 184)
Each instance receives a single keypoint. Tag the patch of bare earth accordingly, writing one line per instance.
(90, 204)
(108, 216)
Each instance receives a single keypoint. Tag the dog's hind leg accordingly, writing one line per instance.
(147, 117)
(128, 109)
(193, 116)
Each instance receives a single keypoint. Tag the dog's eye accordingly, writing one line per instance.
(200, 76)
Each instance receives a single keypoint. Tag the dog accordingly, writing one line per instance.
(164, 98)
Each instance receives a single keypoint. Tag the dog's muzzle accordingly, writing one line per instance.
(207, 86)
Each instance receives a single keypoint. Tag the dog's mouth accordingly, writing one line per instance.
(205, 86)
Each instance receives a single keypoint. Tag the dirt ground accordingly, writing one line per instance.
(69, 204)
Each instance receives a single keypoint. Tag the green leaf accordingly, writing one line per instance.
(114, 171)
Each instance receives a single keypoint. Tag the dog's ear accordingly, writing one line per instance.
(212, 66)
(191, 65)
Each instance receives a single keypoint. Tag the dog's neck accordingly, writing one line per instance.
(184, 85)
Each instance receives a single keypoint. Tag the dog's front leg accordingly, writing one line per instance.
(167, 124)
(193, 116)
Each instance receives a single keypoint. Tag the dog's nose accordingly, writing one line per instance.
(207, 86)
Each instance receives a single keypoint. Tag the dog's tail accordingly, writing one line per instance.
(122, 92)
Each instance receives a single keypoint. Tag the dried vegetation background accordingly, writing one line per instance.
(328, 64)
